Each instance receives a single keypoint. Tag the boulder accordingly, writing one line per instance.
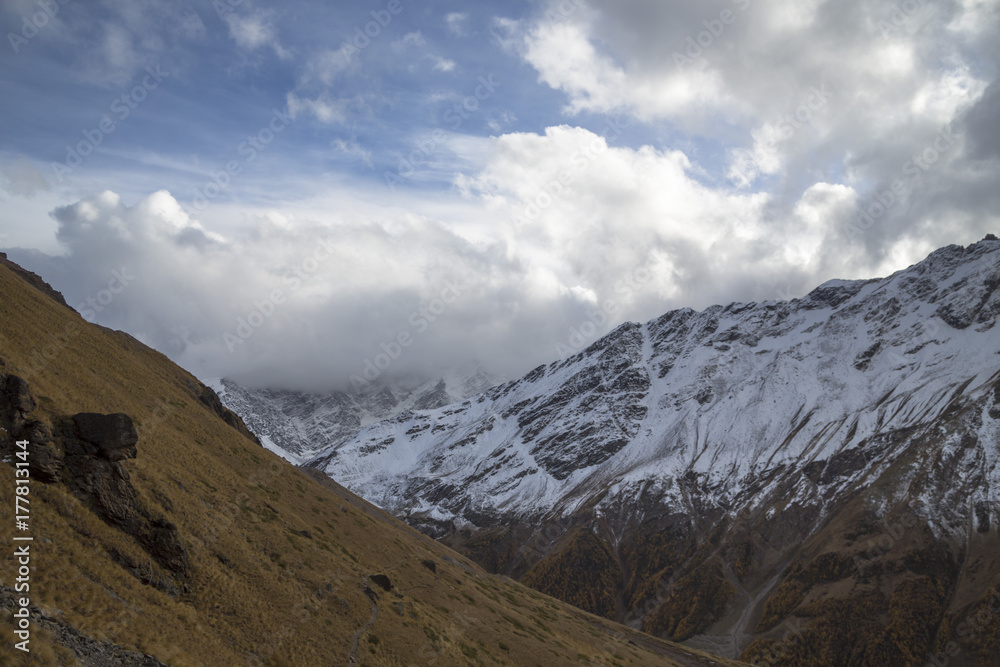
(16, 402)
(112, 437)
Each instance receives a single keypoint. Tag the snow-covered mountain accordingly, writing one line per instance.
(297, 425)
(717, 455)
(724, 394)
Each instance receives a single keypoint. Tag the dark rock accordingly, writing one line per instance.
(831, 296)
(864, 359)
(45, 459)
(94, 447)
(88, 651)
(814, 470)
(113, 437)
(163, 543)
(843, 464)
(982, 511)
(382, 581)
(430, 565)
(16, 402)
(211, 400)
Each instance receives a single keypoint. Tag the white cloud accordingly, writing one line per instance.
(443, 64)
(456, 22)
(353, 150)
(325, 108)
(408, 41)
(255, 31)
(23, 179)
(112, 49)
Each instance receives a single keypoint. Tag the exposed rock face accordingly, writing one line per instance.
(88, 650)
(110, 437)
(16, 405)
(211, 400)
(95, 447)
(87, 454)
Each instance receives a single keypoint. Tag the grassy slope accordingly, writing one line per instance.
(260, 592)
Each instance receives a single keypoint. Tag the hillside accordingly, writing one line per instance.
(163, 533)
(815, 479)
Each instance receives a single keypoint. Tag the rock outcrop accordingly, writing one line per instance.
(87, 453)
(211, 400)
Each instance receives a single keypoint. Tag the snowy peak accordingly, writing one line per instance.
(725, 393)
(297, 425)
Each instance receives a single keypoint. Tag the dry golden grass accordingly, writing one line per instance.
(260, 592)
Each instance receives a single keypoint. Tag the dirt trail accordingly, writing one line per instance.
(353, 657)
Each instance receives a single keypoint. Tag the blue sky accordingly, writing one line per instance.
(541, 153)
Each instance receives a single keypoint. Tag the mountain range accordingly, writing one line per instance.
(297, 425)
(805, 482)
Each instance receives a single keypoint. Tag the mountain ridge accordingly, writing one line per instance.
(296, 425)
(720, 424)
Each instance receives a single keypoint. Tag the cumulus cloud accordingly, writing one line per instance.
(573, 233)
(797, 95)
(319, 298)
(681, 154)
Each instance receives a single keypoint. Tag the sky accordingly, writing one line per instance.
(315, 195)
